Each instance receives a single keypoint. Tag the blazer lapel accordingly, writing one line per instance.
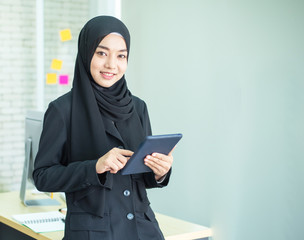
(111, 129)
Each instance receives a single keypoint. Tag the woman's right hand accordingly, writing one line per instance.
(113, 161)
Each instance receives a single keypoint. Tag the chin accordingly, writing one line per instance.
(106, 84)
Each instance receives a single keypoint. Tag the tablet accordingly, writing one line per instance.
(157, 143)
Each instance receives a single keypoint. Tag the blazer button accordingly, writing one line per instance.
(127, 193)
(130, 216)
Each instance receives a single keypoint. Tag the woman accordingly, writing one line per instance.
(88, 136)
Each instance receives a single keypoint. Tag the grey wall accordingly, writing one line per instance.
(229, 76)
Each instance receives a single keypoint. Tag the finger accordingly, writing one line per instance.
(114, 168)
(155, 167)
(158, 164)
(154, 160)
(159, 167)
(117, 165)
(107, 168)
(125, 152)
(122, 159)
(113, 164)
(163, 157)
(158, 172)
(158, 156)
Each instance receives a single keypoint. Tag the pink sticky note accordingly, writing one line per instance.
(64, 79)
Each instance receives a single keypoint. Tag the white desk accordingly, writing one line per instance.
(172, 228)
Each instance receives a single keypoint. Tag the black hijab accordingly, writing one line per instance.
(92, 104)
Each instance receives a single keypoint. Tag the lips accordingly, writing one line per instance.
(107, 75)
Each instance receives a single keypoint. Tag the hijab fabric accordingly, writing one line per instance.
(115, 102)
(91, 102)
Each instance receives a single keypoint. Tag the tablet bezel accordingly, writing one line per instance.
(152, 144)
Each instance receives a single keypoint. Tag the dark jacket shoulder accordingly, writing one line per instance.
(62, 105)
(139, 104)
(63, 102)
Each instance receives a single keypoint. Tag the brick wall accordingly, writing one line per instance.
(59, 15)
(18, 70)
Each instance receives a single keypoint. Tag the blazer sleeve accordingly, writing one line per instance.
(52, 173)
(149, 178)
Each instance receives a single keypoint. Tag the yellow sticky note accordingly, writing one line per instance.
(56, 64)
(65, 35)
(51, 78)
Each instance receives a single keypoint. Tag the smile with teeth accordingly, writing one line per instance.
(107, 75)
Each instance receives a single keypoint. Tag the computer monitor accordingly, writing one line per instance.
(33, 129)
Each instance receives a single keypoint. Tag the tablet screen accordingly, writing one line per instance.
(152, 144)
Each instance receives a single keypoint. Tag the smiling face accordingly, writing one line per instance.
(109, 62)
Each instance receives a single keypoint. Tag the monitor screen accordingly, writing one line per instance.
(33, 129)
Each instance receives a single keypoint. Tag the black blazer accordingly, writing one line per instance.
(100, 206)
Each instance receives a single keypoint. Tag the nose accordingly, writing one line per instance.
(111, 62)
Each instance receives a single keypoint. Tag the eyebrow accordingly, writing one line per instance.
(106, 48)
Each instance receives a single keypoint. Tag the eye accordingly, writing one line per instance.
(101, 53)
(122, 56)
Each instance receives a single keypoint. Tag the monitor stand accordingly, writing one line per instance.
(41, 202)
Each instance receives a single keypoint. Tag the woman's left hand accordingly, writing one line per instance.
(159, 163)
